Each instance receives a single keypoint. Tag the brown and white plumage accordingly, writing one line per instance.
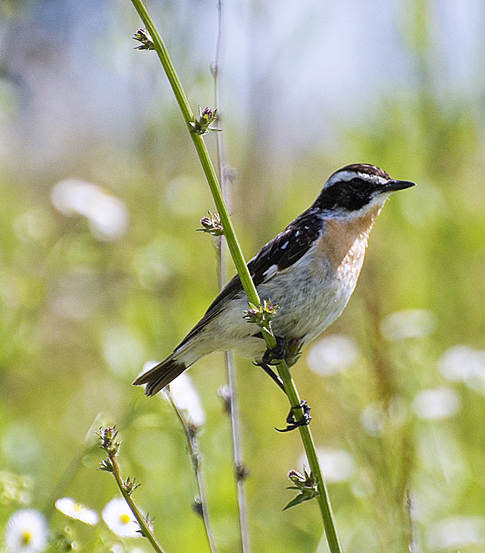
(309, 270)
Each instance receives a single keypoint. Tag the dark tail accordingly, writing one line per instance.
(162, 374)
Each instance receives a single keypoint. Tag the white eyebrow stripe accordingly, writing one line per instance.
(349, 175)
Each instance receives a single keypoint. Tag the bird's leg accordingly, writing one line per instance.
(269, 355)
(269, 371)
(278, 352)
(292, 422)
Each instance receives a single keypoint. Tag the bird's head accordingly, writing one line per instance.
(355, 189)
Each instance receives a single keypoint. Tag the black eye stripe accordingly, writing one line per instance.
(351, 195)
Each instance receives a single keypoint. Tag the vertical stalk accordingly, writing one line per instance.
(244, 274)
(221, 259)
(203, 154)
(193, 447)
(108, 437)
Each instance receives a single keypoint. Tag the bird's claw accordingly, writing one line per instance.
(292, 423)
(276, 353)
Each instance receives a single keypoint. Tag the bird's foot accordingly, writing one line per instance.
(275, 353)
(269, 371)
(292, 423)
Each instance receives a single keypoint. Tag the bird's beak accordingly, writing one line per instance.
(394, 185)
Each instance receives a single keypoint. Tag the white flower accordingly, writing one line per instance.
(70, 508)
(373, 419)
(409, 323)
(337, 464)
(463, 363)
(120, 519)
(26, 532)
(107, 215)
(186, 399)
(119, 548)
(332, 354)
(436, 403)
(457, 532)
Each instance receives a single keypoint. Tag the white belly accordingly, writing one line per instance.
(310, 296)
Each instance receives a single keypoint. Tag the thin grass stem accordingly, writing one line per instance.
(193, 447)
(222, 277)
(145, 528)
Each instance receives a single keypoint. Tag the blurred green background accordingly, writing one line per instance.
(101, 269)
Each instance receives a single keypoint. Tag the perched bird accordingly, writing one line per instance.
(309, 270)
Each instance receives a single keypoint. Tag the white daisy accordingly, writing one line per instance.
(70, 508)
(120, 519)
(26, 532)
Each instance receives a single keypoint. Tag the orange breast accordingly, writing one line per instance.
(343, 244)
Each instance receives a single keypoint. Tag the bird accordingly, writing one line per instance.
(309, 270)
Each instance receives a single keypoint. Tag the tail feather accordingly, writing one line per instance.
(162, 374)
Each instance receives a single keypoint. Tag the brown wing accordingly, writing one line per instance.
(282, 252)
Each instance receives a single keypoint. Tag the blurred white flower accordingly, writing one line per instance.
(337, 464)
(409, 323)
(187, 400)
(332, 354)
(120, 519)
(373, 419)
(107, 215)
(26, 532)
(436, 403)
(463, 363)
(455, 532)
(119, 548)
(70, 508)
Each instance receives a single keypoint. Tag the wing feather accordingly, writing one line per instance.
(277, 255)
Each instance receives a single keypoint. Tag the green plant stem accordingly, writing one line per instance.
(242, 269)
(311, 453)
(203, 154)
(146, 530)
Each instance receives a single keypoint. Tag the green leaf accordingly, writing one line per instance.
(300, 498)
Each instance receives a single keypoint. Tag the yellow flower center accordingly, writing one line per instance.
(26, 537)
(125, 519)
